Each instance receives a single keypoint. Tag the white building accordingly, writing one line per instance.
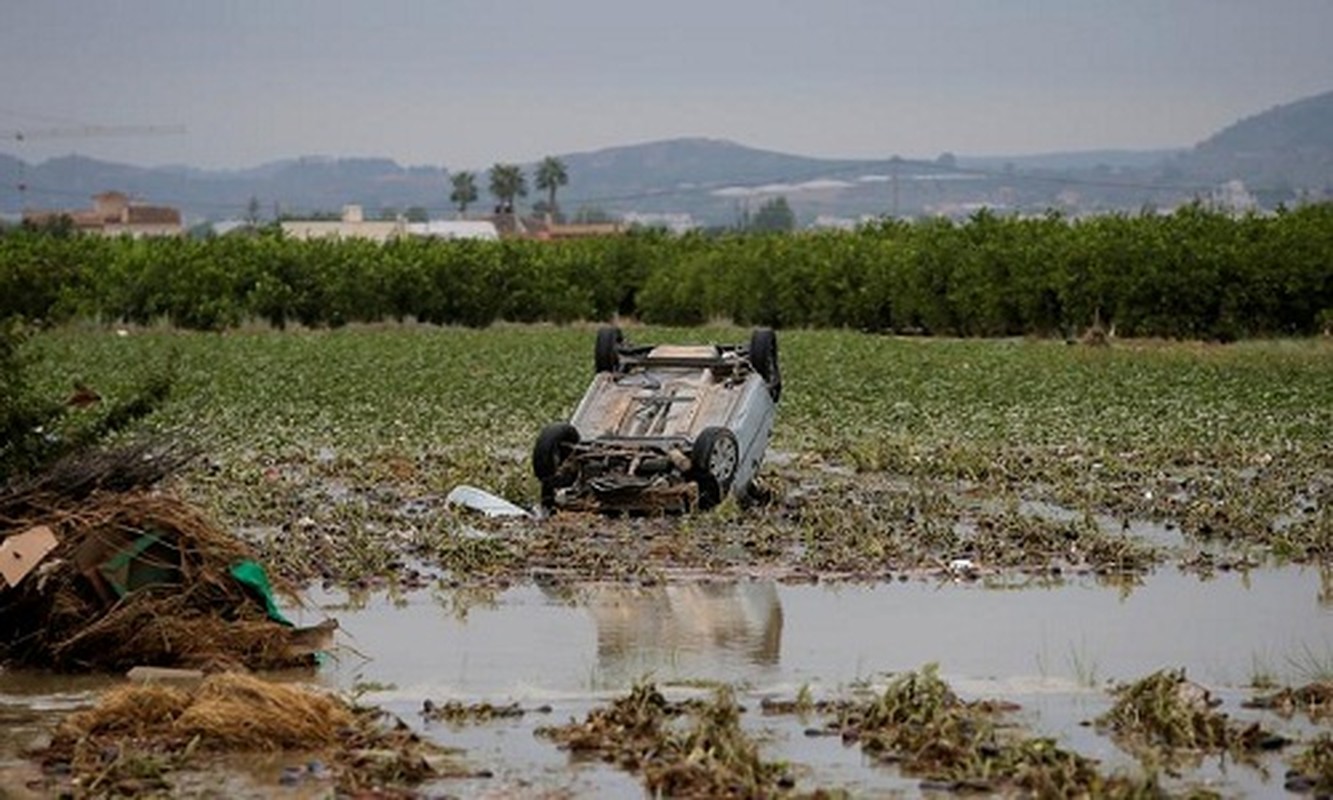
(353, 225)
(481, 229)
(674, 222)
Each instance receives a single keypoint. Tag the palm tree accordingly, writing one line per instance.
(507, 183)
(465, 191)
(551, 175)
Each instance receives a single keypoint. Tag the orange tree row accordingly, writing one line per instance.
(1193, 273)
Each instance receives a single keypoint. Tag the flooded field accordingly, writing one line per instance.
(1053, 648)
(1038, 529)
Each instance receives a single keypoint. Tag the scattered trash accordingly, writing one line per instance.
(961, 565)
(83, 396)
(21, 553)
(484, 502)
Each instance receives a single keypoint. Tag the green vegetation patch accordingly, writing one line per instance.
(1195, 272)
(332, 451)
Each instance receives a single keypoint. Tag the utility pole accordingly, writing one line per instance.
(897, 162)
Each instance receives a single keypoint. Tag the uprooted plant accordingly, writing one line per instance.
(690, 748)
(1168, 716)
(920, 724)
(1312, 768)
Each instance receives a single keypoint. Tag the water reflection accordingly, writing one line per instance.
(661, 626)
(1053, 646)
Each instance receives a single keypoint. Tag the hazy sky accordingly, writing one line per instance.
(466, 83)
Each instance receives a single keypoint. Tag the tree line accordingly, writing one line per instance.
(1193, 273)
(507, 183)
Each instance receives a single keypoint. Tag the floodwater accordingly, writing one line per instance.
(1054, 649)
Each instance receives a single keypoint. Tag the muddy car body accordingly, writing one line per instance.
(664, 428)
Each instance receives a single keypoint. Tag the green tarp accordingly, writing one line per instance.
(251, 574)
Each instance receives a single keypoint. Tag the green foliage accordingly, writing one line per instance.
(36, 430)
(1195, 274)
(358, 428)
(551, 175)
(773, 216)
(24, 444)
(464, 191)
(508, 183)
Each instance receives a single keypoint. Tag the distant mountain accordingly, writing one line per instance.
(1282, 155)
(1289, 146)
(688, 164)
(711, 179)
(718, 181)
(302, 185)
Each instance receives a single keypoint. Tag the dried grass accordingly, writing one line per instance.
(227, 711)
(58, 619)
(233, 710)
(135, 711)
(147, 728)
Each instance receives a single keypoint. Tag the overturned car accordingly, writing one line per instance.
(663, 428)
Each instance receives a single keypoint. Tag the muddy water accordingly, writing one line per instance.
(1223, 630)
(1054, 649)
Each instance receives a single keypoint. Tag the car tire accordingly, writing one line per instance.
(715, 458)
(764, 357)
(551, 450)
(606, 354)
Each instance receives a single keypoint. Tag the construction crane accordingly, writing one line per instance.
(81, 132)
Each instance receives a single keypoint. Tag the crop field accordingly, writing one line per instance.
(889, 454)
(800, 644)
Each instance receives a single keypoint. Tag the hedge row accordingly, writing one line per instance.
(1194, 273)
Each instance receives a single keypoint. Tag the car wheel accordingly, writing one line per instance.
(764, 357)
(715, 458)
(606, 355)
(552, 449)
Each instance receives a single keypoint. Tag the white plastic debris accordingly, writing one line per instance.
(483, 501)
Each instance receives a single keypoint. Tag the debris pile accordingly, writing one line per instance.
(102, 572)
